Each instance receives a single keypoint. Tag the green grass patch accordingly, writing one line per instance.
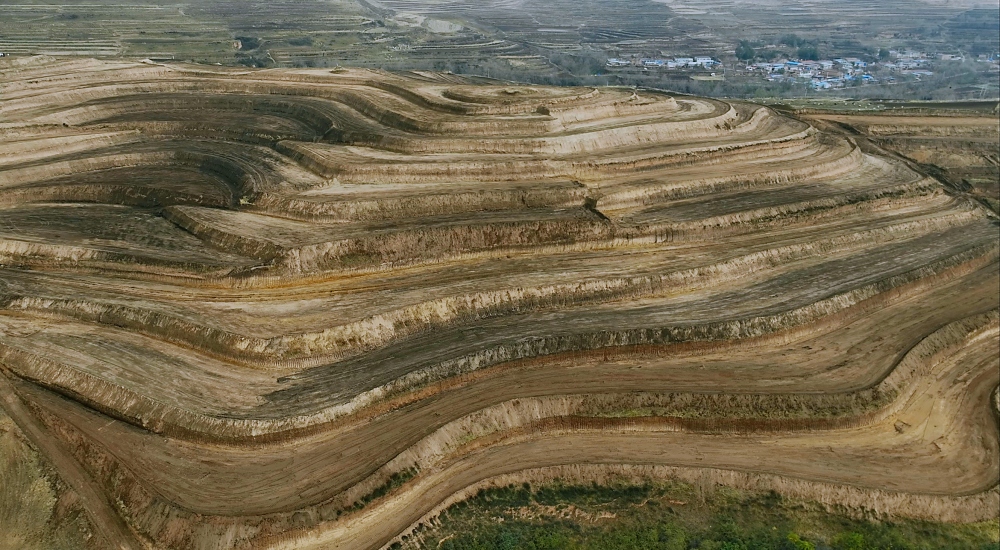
(675, 516)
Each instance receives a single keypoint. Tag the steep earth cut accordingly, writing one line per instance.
(304, 308)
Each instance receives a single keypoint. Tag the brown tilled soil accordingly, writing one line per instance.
(235, 304)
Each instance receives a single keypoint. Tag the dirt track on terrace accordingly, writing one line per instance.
(232, 304)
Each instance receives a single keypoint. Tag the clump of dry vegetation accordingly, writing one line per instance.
(35, 510)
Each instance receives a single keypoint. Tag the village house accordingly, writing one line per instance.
(704, 61)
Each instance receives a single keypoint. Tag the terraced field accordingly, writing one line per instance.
(310, 309)
(958, 147)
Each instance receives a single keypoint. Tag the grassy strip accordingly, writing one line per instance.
(395, 480)
(675, 516)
